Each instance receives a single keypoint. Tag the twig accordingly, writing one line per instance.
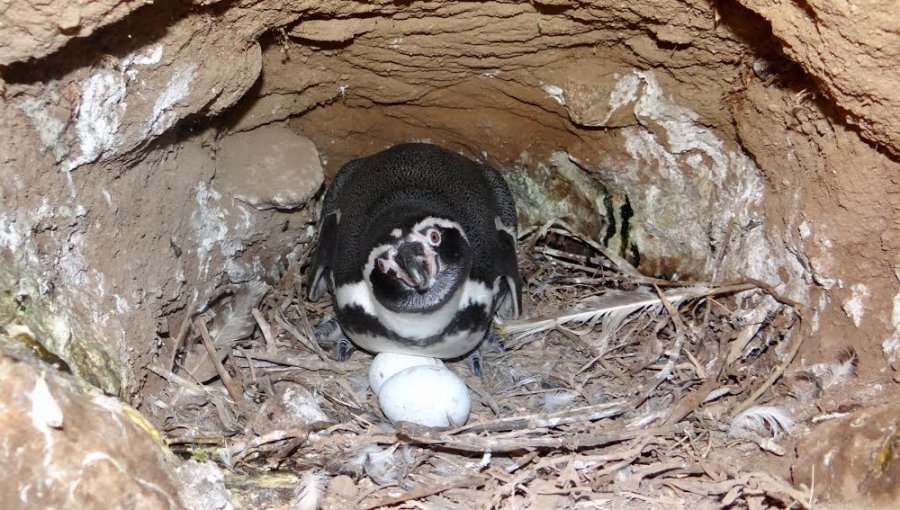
(287, 360)
(470, 482)
(233, 391)
(776, 374)
(309, 341)
(266, 330)
(312, 343)
(695, 399)
(524, 461)
(622, 264)
(801, 311)
(616, 455)
(698, 368)
(480, 443)
(573, 260)
(485, 396)
(250, 364)
(197, 390)
(241, 449)
(539, 420)
(752, 483)
(182, 333)
(198, 440)
(770, 290)
(666, 371)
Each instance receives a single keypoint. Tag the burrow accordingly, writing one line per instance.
(157, 157)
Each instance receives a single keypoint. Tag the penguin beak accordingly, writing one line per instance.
(417, 263)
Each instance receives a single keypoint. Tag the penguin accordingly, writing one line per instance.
(417, 246)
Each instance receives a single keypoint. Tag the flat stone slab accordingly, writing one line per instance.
(270, 167)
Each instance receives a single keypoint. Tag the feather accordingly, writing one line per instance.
(762, 420)
(309, 491)
(752, 320)
(805, 386)
(611, 310)
(840, 371)
(237, 324)
(557, 400)
(383, 466)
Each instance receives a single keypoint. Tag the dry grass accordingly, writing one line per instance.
(675, 402)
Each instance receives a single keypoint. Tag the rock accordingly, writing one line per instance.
(341, 493)
(670, 35)
(855, 459)
(203, 486)
(851, 49)
(64, 448)
(291, 407)
(342, 485)
(332, 30)
(25, 32)
(269, 168)
(260, 489)
(105, 108)
(593, 95)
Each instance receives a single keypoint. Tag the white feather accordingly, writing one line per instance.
(838, 372)
(309, 491)
(611, 309)
(383, 466)
(762, 420)
(226, 456)
(557, 400)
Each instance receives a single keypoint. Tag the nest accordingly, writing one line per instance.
(618, 391)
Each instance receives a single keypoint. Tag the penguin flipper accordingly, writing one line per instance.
(321, 279)
(508, 297)
(509, 287)
(506, 205)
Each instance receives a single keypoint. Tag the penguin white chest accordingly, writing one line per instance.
(442, 332)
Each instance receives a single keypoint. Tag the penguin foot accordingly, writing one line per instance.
(475, 362)
(331, 338)
(475, 359)
(492, 343)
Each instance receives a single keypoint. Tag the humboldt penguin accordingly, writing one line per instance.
(417, 245)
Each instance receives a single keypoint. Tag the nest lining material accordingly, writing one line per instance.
(619, 388)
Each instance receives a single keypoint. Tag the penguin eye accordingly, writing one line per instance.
(434, 236)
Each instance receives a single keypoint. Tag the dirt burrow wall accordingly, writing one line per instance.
(701, 140)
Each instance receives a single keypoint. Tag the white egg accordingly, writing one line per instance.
(386, 364)
(427, 395)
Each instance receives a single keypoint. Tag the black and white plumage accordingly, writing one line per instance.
(417, 244)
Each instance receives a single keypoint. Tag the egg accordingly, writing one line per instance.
(426, 395)
(386, 364)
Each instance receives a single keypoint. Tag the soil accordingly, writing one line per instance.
(697, 141)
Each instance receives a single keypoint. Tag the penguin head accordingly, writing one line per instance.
(420, 267)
